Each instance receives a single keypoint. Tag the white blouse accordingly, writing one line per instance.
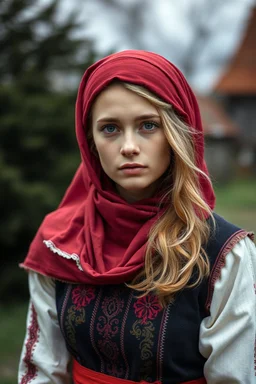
(227, 336)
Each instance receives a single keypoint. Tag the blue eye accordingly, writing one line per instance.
(109, 129)
(149, 126)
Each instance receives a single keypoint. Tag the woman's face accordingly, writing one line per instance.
(130, 142)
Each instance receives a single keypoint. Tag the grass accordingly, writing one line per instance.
(12, 326)
(236, 201)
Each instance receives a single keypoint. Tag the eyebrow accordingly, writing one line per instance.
(138, 118)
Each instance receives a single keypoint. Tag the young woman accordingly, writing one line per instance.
(134, 279)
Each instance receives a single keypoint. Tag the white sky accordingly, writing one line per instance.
(199, 36)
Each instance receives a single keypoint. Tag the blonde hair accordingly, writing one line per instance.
(175, 257)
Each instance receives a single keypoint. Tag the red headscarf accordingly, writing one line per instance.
(95, 236)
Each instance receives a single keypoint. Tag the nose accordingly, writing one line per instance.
(129, 146)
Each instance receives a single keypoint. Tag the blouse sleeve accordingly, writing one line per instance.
(44, 358)
(227, 336)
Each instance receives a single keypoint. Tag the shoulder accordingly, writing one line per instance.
(224, 242)
(223, 237)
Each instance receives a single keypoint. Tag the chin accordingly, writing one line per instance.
(136, 192)
(135, 188)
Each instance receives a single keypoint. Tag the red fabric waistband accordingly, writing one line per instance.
(82, 375)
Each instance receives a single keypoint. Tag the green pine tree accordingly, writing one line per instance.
(39, 153)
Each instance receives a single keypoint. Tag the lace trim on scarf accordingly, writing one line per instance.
(73, 256)
(221, 259)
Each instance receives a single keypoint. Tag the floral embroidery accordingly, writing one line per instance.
(82, 295)
(92, 334)
(109, 349)
(147, 307)
(73, 320)
(108, 327)
(33, 335)
(122, 341)
(146, 333)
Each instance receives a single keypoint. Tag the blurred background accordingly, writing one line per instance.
(46, 45)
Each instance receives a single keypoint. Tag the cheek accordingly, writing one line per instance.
(164, 159)
(105, 155)
(164, 151)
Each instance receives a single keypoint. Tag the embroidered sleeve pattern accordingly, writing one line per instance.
(30, 343)
(221, 261)
(44, 358)
(227, 335)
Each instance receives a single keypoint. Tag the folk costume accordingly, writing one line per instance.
(81, 312)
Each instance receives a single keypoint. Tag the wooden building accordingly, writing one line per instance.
(230, 119)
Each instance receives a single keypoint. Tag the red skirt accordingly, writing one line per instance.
(82, 375)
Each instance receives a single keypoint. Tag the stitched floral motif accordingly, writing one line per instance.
(145, 333)
(109, 349)
(108, 326)
(73, 319)
(82, 295)
(33, 335)
(147, 307)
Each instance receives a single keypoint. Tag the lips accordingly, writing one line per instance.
(131, 166)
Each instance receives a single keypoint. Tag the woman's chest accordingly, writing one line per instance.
(110, 329)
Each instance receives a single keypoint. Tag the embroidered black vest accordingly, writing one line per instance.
(109, 330)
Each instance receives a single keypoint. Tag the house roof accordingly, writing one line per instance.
(240, 77)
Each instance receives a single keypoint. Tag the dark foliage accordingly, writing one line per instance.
(39, 152)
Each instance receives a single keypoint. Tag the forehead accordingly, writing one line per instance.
(116, 97)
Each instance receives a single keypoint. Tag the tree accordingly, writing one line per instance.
(39, 153)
